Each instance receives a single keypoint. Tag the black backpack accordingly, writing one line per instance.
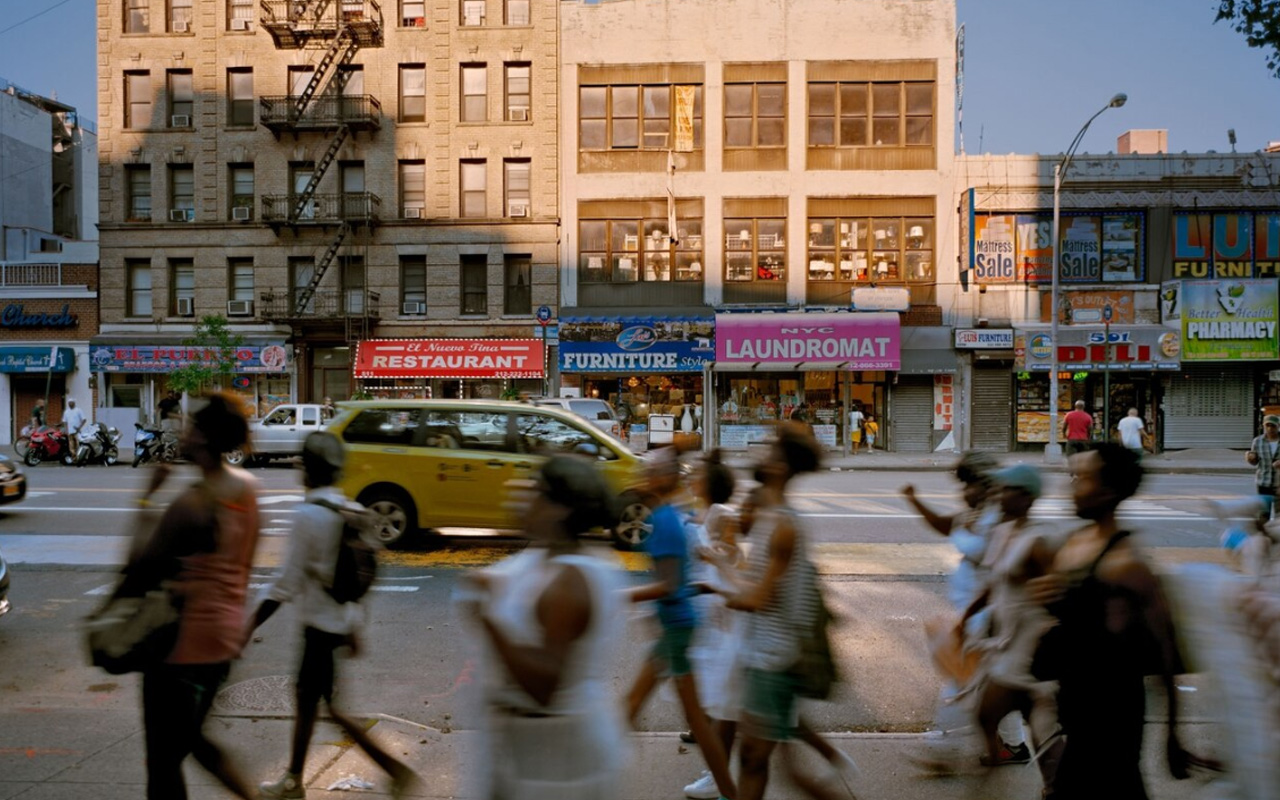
(357, 562)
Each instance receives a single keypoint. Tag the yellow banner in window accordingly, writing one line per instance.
(684, 118)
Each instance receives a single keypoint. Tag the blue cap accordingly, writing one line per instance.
(1020, 476)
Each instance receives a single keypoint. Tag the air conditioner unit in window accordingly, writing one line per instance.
(519, 115)
(186, 307)
(413, 22)
(242, 214)
(180, 121)
(240, 25)
(519, 210)
(413, 307)
(182, 214)
(411, 212)
(239, 308)
(181, 27)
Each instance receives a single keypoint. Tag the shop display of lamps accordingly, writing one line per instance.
(1053, 450)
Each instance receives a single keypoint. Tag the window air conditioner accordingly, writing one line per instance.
(519, 210)
(239, 24)
(180, 121)
(239, 308)
(182, 215)
(413, 307)
(519, 115)
(242, 214)
(181, 27)
(413, 22)
(411, 212)
(186, 307)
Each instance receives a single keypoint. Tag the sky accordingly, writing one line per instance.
(1035, 70)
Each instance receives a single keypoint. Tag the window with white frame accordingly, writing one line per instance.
(632, 250)
(240, 101)
(475, 88)
(181, 98)
(473, 12)
(517, 12)
(413, 189)
(299, 77)
(413, 93)
(413, 285)
(301, 268)
(138, 274)
(138, 187)
(413, 14)
(137, 16)
(474, 280)
(241, 180)
(474, 202)
(240, 279)
(182, 286)
(755, 249)
(180, 16)
(866, 249)
(517, 299)
(518, 92)
(240, 14)
(516, 173)
(633, 117)
(137, 99)
(182, 192)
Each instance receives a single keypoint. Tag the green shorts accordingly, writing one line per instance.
(672, 651)
(771, 704)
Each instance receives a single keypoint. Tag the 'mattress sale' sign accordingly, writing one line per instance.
(1229, 320)
(450, 358)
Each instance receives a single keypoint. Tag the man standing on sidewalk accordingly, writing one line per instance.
(1264, 454)
(1077, 426)
(74, 419)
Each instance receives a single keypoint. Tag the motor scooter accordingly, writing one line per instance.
(153, 444)
(97, 445)
(48, 444)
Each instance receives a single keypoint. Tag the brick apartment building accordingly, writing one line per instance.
(324, 173)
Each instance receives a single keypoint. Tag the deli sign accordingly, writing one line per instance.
(1136, 347)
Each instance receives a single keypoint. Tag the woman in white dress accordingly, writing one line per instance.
(550, 614)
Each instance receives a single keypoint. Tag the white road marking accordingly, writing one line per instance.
(128, 510)
(107, 588)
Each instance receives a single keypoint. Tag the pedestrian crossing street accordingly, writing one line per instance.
(832, 506)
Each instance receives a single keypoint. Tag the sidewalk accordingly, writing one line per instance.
(1204, 461)
(447, 761)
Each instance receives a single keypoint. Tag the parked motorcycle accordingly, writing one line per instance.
(97, 445)
(48, 444)
(153, 444)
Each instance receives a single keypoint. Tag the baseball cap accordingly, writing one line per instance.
(1020, 476)
(1271, 419)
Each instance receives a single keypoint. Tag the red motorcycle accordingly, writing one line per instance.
(49, 444)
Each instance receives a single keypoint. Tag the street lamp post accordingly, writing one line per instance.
(1053, 450)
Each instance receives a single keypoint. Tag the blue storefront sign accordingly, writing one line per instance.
(37, 359)
(636, 344)
(161, 358)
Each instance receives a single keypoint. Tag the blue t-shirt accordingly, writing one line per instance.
(669, 540)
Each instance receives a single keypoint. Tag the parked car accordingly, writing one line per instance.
(430, 464)
(597, 411)
(280, 433)
(13, 483)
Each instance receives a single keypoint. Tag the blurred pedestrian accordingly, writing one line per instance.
(668, 546)
(204, 543)
(1113, 627)
(1020, 549)
(327, 409)
(1077, 429)
(871, 429)
(328, 625)
(37, 414)
(1264, 454)
(169, 411)
(73, 419)
(551, 616)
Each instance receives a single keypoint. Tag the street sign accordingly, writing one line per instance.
(544, 315)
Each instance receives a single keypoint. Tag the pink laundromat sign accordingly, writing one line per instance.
(853, 341)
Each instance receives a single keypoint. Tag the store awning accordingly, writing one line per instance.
(928, 351)
(25, 358)
(809, 342)
(587, 314)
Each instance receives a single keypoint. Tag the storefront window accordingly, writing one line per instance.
(889, 249)
(629, 251)
(755, 249)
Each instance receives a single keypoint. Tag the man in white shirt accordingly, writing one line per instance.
(74, 419)
(327, 624)
(1131, 429)
(856, 419)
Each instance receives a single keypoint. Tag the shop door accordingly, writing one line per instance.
(26, 388)
(1199, 393)
(911, 414)
(991, 404)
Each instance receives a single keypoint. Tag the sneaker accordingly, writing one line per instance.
(288, 787)
(1019, 754)
(704, 788)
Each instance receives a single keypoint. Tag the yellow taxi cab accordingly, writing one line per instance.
(430, 464)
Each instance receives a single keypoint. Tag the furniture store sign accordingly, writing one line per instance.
(984, 339)
(636, 344)
(1229, 320)
(870, 341)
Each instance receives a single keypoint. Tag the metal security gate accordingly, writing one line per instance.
(911, 414)
(991, 406)
(1209, 405)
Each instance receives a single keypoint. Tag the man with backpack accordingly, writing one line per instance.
(328, 570)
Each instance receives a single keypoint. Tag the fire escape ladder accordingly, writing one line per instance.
(343, 50)
(303, 200)
(322, 266)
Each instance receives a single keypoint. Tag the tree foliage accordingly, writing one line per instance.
(1259, 21)
(214, 339)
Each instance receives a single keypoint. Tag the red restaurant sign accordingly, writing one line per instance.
(450, 358)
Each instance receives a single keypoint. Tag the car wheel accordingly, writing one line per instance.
(633, 527)
(234, 457)
(32, 458)
(399, 518)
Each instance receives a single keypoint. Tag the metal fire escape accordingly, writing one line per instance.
(337, 29)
